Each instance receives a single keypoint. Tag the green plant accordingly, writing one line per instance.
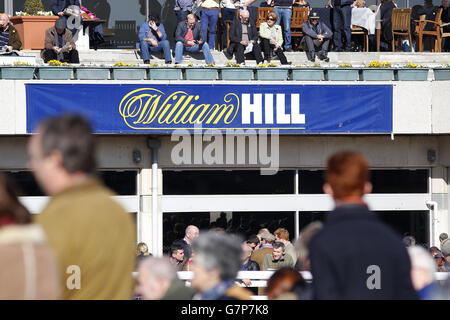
(57, 63)
(345, 65)
(378, 64)
(32, 7)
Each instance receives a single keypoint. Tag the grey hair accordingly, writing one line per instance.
(159, 267)
(219, 251)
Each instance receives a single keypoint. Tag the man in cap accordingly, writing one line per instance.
(59, 44)
(316, 38)
(267, 240)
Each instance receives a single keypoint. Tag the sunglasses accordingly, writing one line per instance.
(271, 19)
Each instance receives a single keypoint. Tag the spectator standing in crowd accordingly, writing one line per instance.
(29, 270)
(189, 37)
(248, 264)
(341, 264)
(267, 240)
(342, 21)
(216, 264)
(271, 38)
(142, 251)
(316, 38)
(301, 245)
(153, 37)
(158, 280)
(252, 6)
(386, 8)
(283, 11)
(177, 256)
(59, 44)
(9, 37)
(58, 7)
(440, 262)
(434, 251)
(301, 4)
(190, 234)
(210, 16)
(243, 39)
(228, 13)
(282, 235)
(442, 238)
(409, 241)
(278, 258)
(423, 271)
(253, 241)
(445, 248)
(81, 217)
(182, 8)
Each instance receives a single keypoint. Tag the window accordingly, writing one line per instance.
(208, 182)
(383, 181)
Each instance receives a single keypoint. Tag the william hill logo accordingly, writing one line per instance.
(149, 108)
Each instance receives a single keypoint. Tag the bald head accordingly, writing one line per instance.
(244, 14)
(190, 19)
(191, 233)
(4, 20)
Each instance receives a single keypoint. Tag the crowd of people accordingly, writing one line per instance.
(353, 255)
(197, 31)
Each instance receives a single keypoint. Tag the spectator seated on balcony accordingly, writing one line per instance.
(59, 44)
(271, 38)
(316, 38)
(243, 39)
(9, 37)
(189, 38)
(152, 37)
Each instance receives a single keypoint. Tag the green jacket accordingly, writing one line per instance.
(89, 230)
(285, 261)
(266, 33)
(14, 38)
(178, 291)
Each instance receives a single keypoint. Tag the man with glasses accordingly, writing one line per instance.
(243, 39)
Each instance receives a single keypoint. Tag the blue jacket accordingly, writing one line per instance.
(60, 5)
(322, 29)
(145, 28)
(182, 30)
(343, 2)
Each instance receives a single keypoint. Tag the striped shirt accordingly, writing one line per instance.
(4, 38)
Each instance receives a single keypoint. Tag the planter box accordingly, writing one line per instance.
(17, 73)
(54, 73)
(441, 74)
(305, 74)
(200, 74)
(236, 74)
(342, 74)
(412, 74)
(165, 74)
(377, 74)
(273, 74)
(32, 30)
(88, 73)
(121, 73)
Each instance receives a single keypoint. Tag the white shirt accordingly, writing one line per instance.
(229, 4)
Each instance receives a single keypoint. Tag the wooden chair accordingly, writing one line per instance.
(228, 23)
(401, 25)
(362, 31)
(262, 15)
(444, 34)
(299, 16)
(435, 32)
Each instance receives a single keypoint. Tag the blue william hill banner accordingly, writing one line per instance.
(163, 108)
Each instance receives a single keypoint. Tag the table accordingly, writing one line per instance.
(365, 18)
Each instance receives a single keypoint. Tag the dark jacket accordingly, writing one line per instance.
(236, 31)
(186, 247)
(60, 5)
(322, 29)
(352, 240)
(386, 9)
(178, 291)
(182, 30)
(14, 38)
(251, 266)
(343, 2)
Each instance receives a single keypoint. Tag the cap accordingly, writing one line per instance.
(268, 237)
(60, 24)
(314, 15)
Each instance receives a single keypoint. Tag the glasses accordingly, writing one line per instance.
(271, 19)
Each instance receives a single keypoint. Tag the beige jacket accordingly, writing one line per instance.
(266, 32)
(28, 267)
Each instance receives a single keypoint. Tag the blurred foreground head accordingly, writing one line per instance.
(62, 152)
(155, 278)
(217, 259)
(347, 176)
